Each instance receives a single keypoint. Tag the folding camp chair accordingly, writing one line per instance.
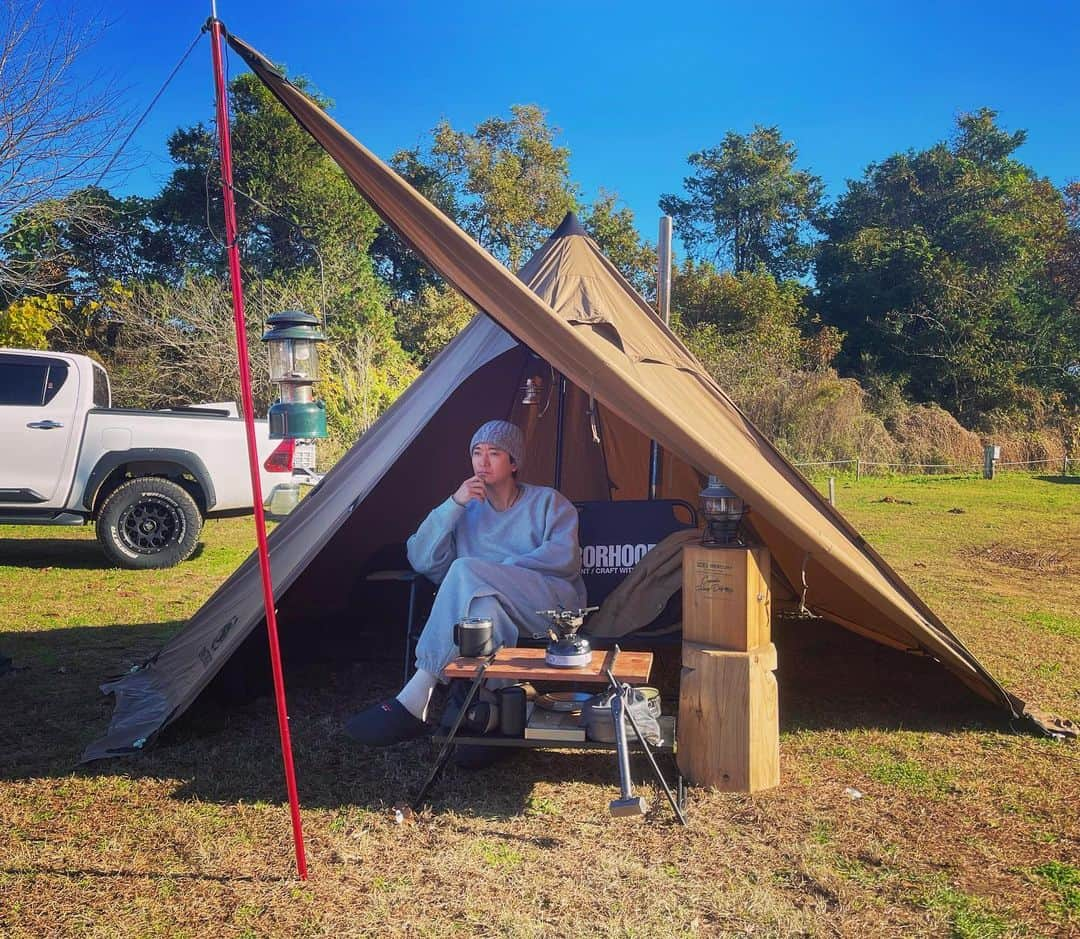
(421, 592)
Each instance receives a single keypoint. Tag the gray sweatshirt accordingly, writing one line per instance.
(538, 532)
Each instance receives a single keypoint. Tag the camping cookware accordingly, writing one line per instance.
(481, 717)
(512, 711)
(567, 649)
(474, 637)
(569, 701)
(599, 721)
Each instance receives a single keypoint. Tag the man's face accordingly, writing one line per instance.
(491, 464)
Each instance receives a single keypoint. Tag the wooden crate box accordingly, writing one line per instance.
(726, 597)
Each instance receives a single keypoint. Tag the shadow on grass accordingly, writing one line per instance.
(78, 873)
(66, 553)
(831, 679)
(1066, 480)
(225, 750)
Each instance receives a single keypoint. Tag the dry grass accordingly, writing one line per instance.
(964, 828)
(1057, 563)
(929, 434)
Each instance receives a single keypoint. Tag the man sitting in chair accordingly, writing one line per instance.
(498, 549)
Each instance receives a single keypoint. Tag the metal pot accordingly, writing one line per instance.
(596, 714)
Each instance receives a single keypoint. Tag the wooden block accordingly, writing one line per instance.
(728, 728)
(726, 597)
(763, 656)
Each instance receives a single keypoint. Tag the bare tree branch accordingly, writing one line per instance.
(57, 129)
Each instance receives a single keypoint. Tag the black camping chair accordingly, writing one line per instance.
(615, 535)
(421, 594)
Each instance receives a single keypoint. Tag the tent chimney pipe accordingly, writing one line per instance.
(663, 273)
(559, 417)
(663, 308)
(244, 368)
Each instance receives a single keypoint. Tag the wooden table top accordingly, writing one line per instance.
(528, 664)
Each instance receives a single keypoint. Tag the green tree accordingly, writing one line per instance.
(506, 183)
(295, 208)
(426, 321)
(25, 323)
(406, 274)
(747, 206)
(747, 330)
(938, 266)
(747, 325)
(86, 241)
(305, 235)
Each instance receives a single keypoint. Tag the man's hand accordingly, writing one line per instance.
(472, 488)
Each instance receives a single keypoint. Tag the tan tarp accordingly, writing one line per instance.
(629, 379)
(610, 344)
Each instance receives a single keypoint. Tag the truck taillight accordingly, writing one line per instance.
(280, 461)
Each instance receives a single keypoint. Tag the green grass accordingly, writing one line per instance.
(965, 828)
(1065, 880)
(968, 917)
(1058, 624)
(499, 855)
(911, 776)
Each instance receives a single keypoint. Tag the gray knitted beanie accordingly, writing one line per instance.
(505, 436)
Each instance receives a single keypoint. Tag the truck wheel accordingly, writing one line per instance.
(148, 522)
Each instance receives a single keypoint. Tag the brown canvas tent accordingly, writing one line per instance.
(629, 380)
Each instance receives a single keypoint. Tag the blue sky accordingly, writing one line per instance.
(634, 87)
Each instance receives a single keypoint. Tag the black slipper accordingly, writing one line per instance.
(385, 724)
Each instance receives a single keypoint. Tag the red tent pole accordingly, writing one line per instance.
(253, 452)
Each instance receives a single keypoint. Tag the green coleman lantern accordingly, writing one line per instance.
(292, 338)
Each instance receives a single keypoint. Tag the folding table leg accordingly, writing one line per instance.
(448, 744)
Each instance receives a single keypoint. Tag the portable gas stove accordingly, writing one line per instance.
(566, 648)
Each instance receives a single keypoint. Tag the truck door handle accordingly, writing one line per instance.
(44, 425)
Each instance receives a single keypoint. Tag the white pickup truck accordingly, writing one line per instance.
(146, 479)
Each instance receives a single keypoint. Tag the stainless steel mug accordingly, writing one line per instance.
(474, 637)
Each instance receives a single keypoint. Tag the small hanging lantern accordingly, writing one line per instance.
(532, 389)
(723, 511)
(292, 338)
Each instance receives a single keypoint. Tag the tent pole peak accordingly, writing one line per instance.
(570, 225)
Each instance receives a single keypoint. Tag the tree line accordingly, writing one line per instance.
(935, 300)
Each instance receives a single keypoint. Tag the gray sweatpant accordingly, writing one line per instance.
(507, 595)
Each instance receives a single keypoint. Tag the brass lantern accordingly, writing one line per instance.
(723, 512)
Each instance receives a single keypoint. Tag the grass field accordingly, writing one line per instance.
(964, 827)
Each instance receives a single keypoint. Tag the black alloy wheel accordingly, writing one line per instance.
(148, 526)
(149, 522)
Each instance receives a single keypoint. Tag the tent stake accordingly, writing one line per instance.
(249, 423)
